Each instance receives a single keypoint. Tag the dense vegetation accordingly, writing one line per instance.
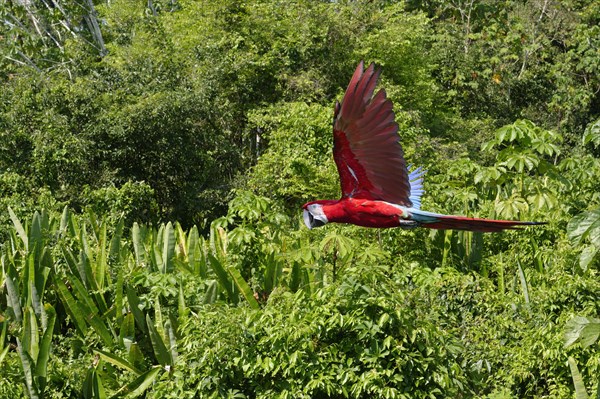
(154, 155)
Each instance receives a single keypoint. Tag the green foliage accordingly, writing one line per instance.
(349, 339)
(585, 227)
(216, 116)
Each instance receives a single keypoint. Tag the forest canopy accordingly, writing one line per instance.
(154, 157)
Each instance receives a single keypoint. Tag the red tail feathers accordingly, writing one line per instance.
(474, 224)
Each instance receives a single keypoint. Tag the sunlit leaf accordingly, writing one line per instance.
(585, 226)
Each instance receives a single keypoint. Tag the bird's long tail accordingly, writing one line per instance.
(451, 222)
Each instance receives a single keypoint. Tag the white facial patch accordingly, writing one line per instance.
(314, 216)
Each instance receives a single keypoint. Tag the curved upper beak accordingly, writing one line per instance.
(311, 221)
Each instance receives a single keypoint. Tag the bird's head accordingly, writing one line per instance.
(314, 215)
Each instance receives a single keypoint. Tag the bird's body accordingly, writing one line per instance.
(377, 188)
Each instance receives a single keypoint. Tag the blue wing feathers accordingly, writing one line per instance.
(415, 179)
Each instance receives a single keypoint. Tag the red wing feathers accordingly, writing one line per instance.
(367, 148)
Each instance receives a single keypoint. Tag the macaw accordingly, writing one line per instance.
(377, 188)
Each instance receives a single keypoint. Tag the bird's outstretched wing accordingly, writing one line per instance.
(366, 146)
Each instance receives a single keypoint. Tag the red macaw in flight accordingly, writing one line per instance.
(377, 188)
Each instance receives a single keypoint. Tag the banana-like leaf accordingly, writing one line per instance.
(117, 361)
(127, 330)
(73, 310)
(3, 333)
(273, 271)
(64, 220)
(211, 293)
(168, 250)
(71, 260)
(35, 240)
(160, 349)
(243, 287)
(118, 304)
(135, 355)
(181, 241)
(196, 258)
(101, 259)
(31, 334)
(12, 290)
(171, 339)
(580, 392)
(223, 277)
(138, 245)
(134, 305)
(156, 260)
(19, 228)
(138, 386)
(27, 364)
(115, 242)
(91, 315)
(218, 241)
(44, 354)
(92, 386)
(3, 354)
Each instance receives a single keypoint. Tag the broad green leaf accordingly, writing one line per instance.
(115, 242)
(3, 333)
(243, 287)
(19, 228)
(138, 245)
(196, 258)
(117, 361)
(31, 335)
(35, 240)
(92, 386)
(160, 349)
(3, 354)
(101, 258)
(181, 241)
(118, 304)
(585, 225)
(225, 280)
(71, 306)
(28, 366)
(138, 386)
(127, 329)
(582, 329)
(580, 392)
(13, 297)
(85, 306)
(134, 305)
(64, 220)
(211, 293)
(168, 251)
(171, 339)
(44, 354)
(135, 355)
